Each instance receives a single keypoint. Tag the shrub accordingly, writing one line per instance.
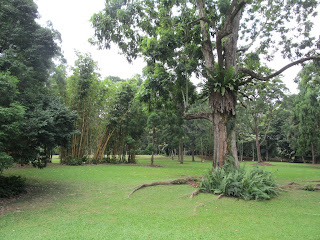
(309, 188)
(74, 161)
(6, 161)
(255, 184)
(11, 186)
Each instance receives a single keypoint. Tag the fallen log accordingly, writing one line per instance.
(179, 181)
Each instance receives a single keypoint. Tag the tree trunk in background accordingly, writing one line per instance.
(241, 152)
(153, 143)
(258, 145)
(252, 151)
(267, 154)
(313, 154)
(201, 144)
(192, 153)
(181, 152)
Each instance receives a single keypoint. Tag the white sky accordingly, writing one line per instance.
(72, 19)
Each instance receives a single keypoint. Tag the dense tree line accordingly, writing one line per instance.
(33, 120)
(85, 118)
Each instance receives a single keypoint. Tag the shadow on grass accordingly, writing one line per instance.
(37, 194)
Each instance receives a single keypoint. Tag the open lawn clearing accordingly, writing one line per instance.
(90, 202)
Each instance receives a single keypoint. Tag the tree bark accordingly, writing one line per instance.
(153, 143)
(181, 152)
(220, 139)
(192, 153)
(313, 153)
(257, 139)
(253, 151)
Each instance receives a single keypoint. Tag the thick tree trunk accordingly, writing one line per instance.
(223, 124)
(223, 102)
(220, 139)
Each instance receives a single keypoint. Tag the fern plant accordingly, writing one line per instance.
(255, 184)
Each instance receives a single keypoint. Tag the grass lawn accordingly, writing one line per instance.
(90, 202)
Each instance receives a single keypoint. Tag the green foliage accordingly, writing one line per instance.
(255, 184)
(309, 188)
(11, 115)
(11, 186)
(220, 80)
(6, 161)
(76, 161)
(307, 110)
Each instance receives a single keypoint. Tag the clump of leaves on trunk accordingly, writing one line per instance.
(254, 184)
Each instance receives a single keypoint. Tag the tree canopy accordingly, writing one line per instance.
(211, 39)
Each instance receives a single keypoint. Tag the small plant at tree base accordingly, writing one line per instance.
(255, 184)
(309, 188)
(11, 186)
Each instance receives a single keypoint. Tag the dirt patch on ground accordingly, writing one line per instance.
(263, 164)
(153, 165)
(315, 166)
(297, 186)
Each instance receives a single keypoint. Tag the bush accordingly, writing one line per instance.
(255, 184)
(75, 161)
(11, 186)
(6, 161)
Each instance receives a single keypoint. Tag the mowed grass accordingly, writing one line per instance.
(91, 202)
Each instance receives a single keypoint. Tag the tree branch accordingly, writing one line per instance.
(179, 181)
(227, 28)
(254, 75)
(265, 135)
(198, 115)
(238, 9)
(246, 48)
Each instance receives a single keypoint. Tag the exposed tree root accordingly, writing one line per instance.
(220, 196)
(196, 207)
(195, 193)
(180, 181)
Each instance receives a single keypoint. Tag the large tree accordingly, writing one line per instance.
(211, 38)
(307, 111)
(26, 52)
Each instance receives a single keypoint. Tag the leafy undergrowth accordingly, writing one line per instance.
(11, 186)
(91, 202)
(247, 184)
